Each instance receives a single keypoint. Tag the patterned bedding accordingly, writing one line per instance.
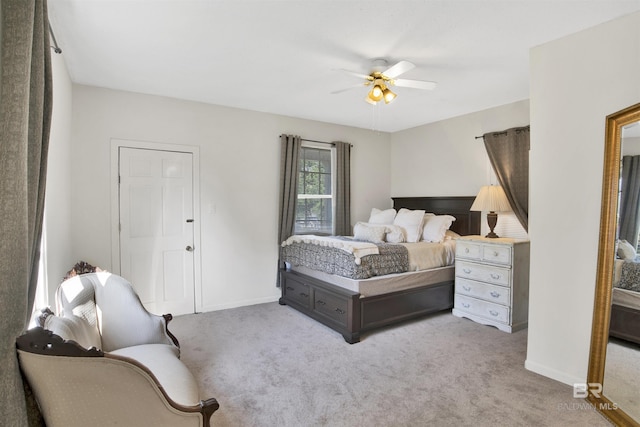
(391, 258)
(344, 256)
(629, 276)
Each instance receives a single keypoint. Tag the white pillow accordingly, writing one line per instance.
(74, 328)
(369, 232)
(450, 235)
(626, 250)
(411, 223)
(394, 234)
(382, 217)
(435, 227)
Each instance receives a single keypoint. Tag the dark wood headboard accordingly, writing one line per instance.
(467, 222)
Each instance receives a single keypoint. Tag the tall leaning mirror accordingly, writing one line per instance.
(614, 360)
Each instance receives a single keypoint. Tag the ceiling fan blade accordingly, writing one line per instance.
(416, 84)
(348, 88)
(397, 69)
(359, 75)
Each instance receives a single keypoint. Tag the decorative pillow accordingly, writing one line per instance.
(411, 223)
(373, 233)
(450, 235)
(382, 217)
(74, 328)
(626, 250)
(394, 234)
(435, 228)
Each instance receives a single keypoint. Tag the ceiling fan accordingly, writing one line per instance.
(382, 76)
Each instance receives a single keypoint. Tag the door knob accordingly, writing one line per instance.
(189, 248)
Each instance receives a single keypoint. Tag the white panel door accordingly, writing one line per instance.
(156, 228)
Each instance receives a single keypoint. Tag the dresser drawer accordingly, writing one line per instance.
(297, 291)
(331, 306)
(488, 310)
(497, 254)
(483, 273)
(468, 250)
(497, 294)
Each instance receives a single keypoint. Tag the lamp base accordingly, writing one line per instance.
(492, 220)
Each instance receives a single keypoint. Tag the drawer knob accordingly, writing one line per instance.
(303, 295)
(320, 302)
(465, 305)
(466, 288)
(466, 270)
(290, 288)
(495, 294)
(466, 250)
(493, 313)
(495, 276)
(340, 311)
(495, 253)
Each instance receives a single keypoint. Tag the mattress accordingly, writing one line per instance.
(383, 284)
(626, 298)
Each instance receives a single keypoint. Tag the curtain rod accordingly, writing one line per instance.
(319, 142)
(55, 47)
(505, 132)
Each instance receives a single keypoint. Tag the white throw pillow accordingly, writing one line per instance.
(626, 250)
(435, 227)
(373, 233)
(74, 328)
(382, 216)
(394, 234)
(411, 223)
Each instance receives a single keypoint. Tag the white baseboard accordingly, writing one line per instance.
(553, 373)
(237, 304)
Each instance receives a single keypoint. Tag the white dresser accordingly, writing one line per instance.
(492, 281)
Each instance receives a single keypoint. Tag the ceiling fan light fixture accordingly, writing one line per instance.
(388, 95)
(376, 93)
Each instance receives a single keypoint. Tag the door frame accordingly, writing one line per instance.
(116, 144)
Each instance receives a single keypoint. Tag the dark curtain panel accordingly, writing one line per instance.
(509, 156)
(25, 118)
(289, 155)
(630, 200)
(342, 224)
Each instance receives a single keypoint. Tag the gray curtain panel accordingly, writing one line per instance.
(509, 156)
(630, 199)
(289, 155)
(342, 224)
(25, 119)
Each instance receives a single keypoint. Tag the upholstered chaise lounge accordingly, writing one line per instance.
(105, 360)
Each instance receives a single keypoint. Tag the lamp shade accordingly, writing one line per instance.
(491, 198)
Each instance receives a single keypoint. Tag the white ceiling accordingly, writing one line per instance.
(282, 56)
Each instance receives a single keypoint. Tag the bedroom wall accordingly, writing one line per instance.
(445, 159)
(239, 178)
(576, 82)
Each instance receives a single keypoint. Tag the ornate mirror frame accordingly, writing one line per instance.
(606, 254)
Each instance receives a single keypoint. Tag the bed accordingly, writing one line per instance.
(352, 306)
(625, 301)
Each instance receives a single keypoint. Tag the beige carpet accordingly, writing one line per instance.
(269, 365)
(622, 375)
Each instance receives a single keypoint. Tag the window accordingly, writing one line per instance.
(314, 206)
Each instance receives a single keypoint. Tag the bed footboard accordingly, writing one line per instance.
(350, 314)
(625, 323)
(330, 305)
